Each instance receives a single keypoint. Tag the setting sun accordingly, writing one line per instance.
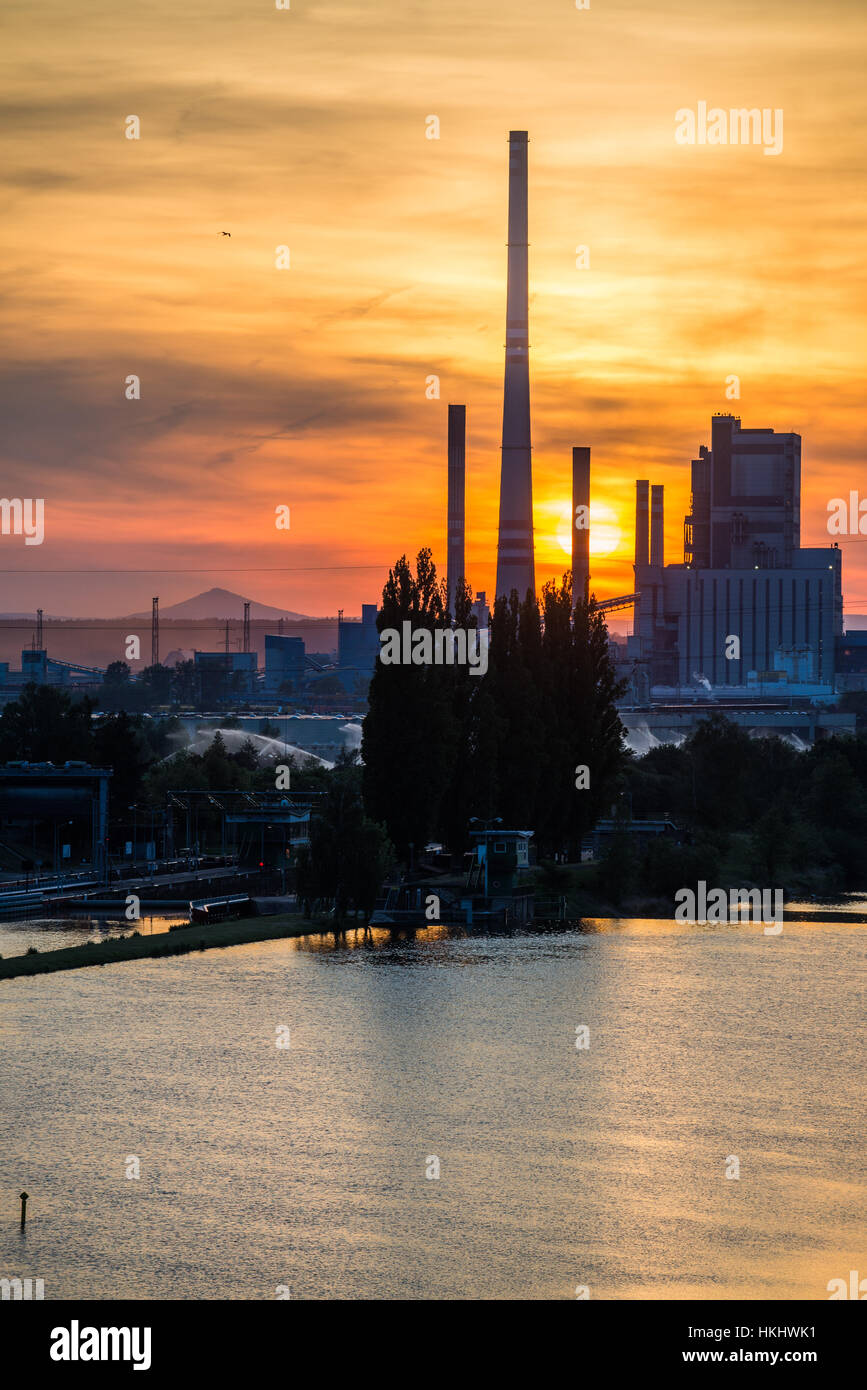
(605, 532)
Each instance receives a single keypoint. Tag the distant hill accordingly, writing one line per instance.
(220, 603)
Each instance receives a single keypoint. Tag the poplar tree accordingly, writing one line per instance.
(459, 803)
(441, 745)
(596, 733)
(553, 685)
(512, 688)
(409, 742)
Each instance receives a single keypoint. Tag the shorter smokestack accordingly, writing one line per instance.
(642, 520)
(657, 525)
(580, 524)
(456, 504)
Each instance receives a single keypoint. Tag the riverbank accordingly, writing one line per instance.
(180, 941)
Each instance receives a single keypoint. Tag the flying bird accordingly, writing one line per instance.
(225, 233)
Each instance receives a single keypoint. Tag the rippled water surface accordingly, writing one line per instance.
(73, 929)
(306, 1166)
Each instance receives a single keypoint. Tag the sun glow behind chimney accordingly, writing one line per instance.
(657, 525)
(580, 524)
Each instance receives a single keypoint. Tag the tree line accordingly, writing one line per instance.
(748, 810)
(536, 740)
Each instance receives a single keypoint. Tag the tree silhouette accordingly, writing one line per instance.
(442, 744)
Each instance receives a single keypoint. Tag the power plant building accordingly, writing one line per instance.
(284, 663)
(748, 605)
(358, 642)
(221, 675)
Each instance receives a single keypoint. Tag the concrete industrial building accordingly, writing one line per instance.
(55, 799)
(744, 576)
(358, 642)
(38, 668)
(284, 663)
(221, 675)
(851, 656)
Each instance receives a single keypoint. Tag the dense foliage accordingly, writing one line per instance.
(349, 855)
(751, 810)
(442, 744)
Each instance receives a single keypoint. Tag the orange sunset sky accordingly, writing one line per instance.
(306, 386)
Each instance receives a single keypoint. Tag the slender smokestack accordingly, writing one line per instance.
(457, 491)
(642, 518)
(657, 525)
(155, 630)
(515, 567)
(580, 524)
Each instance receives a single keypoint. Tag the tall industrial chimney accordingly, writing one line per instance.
(657, 525)
(580, 524)
(455, 572)
(515, 567)
(642, 520)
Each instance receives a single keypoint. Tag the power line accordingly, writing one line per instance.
(72, 625)
(214, 569)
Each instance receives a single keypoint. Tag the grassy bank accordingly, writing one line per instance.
(175, 943)
(181, 940)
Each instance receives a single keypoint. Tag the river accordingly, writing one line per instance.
(305, 1168)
